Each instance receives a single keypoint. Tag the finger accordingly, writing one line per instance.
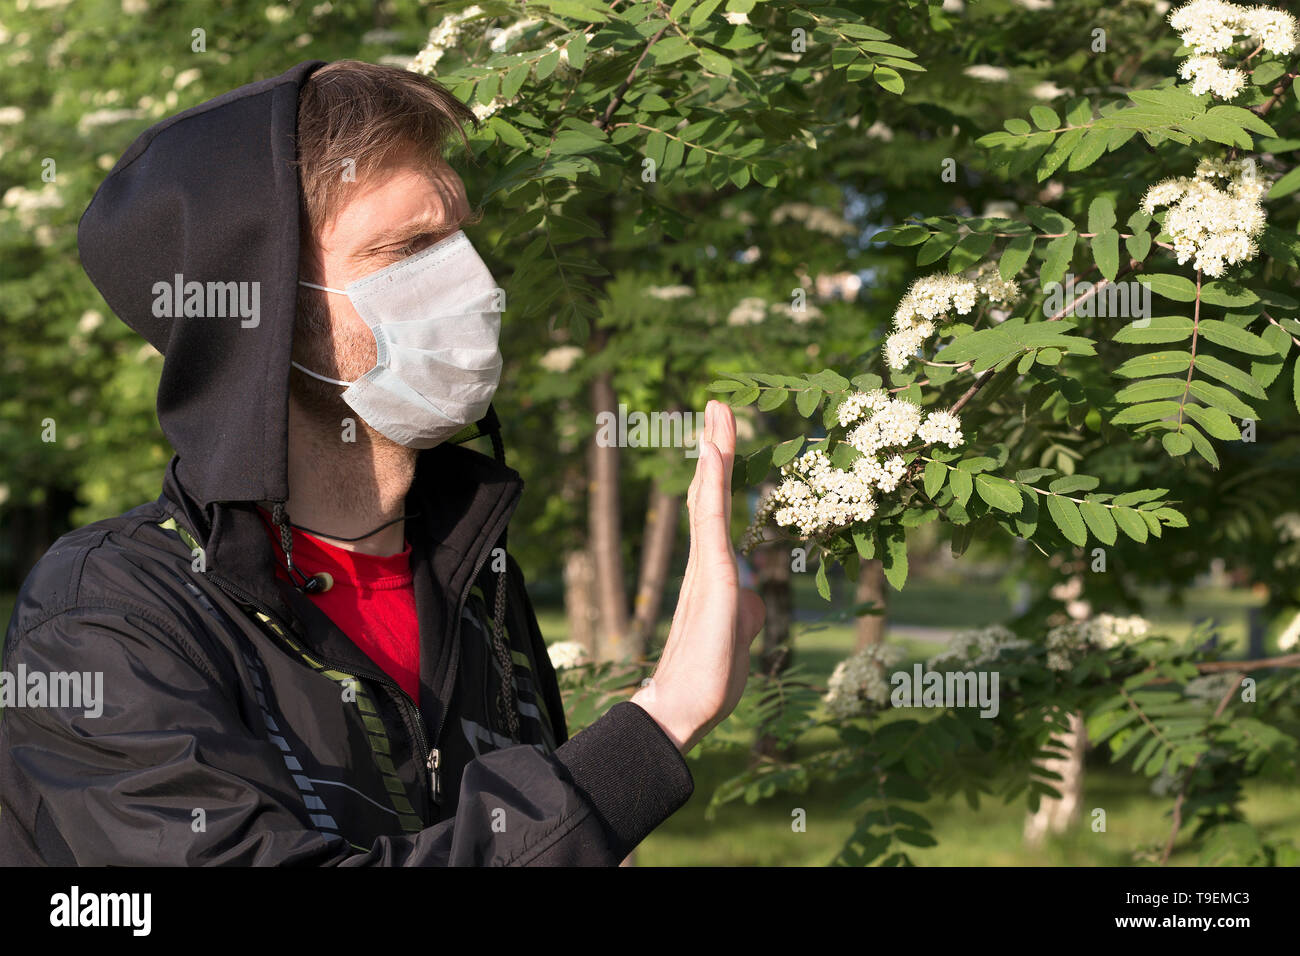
(710, 527)
(723, 435)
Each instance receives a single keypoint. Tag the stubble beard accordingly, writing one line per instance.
(359, 475)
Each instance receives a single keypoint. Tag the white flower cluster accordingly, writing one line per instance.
(817, 497)
(978, 646)
(1211, 27)
(940, 428)
(860, 680)
(566, 654)
(990, 284)
(1214, 227)
(441, 39)
(933, 297)
(500, 39)
(561, 358)
(1208, 75)
(926, 301)
(1102, 632)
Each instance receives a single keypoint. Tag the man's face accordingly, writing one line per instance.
(402, 208)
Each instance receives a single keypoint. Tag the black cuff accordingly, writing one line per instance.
(630, 770)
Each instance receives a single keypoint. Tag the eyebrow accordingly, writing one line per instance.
(413, 230)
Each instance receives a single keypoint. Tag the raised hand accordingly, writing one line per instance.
(705, 663)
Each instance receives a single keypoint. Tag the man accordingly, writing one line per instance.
(315, 648)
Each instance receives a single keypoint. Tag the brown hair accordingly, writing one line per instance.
(367, 113)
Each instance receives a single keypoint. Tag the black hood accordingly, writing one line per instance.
(211, 195)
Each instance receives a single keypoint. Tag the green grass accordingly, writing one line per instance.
(761, 834)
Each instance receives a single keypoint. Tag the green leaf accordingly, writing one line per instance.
(935, 248)
(712, 60)
(936, 473)
(1229, 336)
(806, 402)
(1044, 117)
(1156, 329)
(1202, 444)
(1131, 523)
(1214, 421)
(1069, 484)
(999, 493)
(1155, 363)
(1101, 214)
(969, 250)
(1286, 185)
(772, 398)
(888, 80)
(1230, 295)
(785, 452)
(1176, 443)
(962, 485)
(509, 135)
(1295, 385)
(577, 50)
(1065, 513)
(1228, 375)
(1268, 369)
(1178, 288)
(1099, 521)
(1105, 252)
(894, 559)
(577, 10)
(823, 586)
(1048, 220)
(1057, 260)
(1221, 398)
(1145, 412)
(1015, 256)
(1152, 389)
(1089, 150)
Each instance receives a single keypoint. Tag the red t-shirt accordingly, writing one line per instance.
(372, 600)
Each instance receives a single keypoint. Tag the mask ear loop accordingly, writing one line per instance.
(307, 371)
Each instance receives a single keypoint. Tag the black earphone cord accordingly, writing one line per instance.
(334, 537)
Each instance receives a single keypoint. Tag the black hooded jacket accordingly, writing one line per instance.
(237, 724)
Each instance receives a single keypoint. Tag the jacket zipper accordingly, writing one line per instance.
(406, 705)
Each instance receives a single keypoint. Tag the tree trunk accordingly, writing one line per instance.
(579, 599)
(662, 516)
(613, 642)
(871, 587)
(1056, 816)
(772, 568)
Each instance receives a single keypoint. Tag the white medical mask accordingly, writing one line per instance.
(436, 328)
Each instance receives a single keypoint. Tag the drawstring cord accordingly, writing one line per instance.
(507, 702)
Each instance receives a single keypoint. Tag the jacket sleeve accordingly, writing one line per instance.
(124, 786)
